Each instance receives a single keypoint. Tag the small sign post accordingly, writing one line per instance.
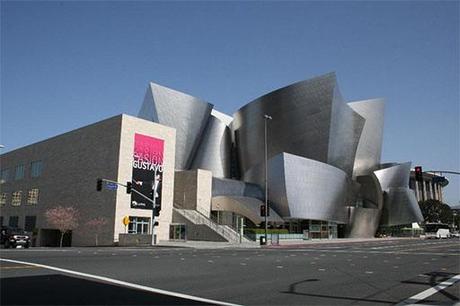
(126, 222)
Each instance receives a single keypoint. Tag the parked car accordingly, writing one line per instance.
(12, 237)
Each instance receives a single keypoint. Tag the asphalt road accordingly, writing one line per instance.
(366, 273)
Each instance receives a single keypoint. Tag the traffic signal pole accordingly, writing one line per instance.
(145, 197)
(154, 208)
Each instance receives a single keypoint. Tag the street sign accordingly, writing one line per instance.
(111, 186)
(126, 220)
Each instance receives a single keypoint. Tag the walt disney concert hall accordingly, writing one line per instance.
(323, 158)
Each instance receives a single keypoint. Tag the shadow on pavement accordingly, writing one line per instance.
(293, 290)
(435, 279)
(59, 289)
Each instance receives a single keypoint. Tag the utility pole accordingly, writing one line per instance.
(266, 118)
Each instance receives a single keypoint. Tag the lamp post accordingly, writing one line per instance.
(454, 215)
(266, 118)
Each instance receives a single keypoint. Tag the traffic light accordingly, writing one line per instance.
(99, 184)
(263, 211)
(418, 174)
(129, 187)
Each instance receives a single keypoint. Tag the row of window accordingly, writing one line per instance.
(139, 225)
(30, 222)
(16, 197)
(36, 168)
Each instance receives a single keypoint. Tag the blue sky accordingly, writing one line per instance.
(68, 64)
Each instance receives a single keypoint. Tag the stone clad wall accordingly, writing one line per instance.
(130, 126)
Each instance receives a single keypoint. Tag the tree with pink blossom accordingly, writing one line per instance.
(62, 218)
(97, 225)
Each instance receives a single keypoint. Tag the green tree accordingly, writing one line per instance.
(436, 211)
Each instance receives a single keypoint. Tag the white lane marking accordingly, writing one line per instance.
(279, 267)
(123, 283)
(429, 292)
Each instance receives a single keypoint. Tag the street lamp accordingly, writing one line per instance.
(266, 118)
(454, 215)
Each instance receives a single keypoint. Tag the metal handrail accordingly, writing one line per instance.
(198, 218)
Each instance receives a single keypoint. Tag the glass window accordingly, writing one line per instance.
(32, 196)
(3, 199)
(4, 176)
(138, 225)
(14, 221)
(19, 172)
(36, 168)
(29, 223)
(16, 198)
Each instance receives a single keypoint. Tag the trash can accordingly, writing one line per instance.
(263, 240)
(275, 239)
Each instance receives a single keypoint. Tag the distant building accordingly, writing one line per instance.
(430, 189)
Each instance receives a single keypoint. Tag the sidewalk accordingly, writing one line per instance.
(300, 242)
(282, 243)
(208, 245)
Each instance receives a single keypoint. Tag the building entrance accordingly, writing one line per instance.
(177, 232)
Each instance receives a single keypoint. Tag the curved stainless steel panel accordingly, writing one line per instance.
(394, 176)
(214, 151)
(302, 188)
(228, 187)
(370, 144)
(400, 207)
(244, 206)
(370, 191)
(289, 131)
(315, 190)
(187, 114)
(310, 120)
(364, 222)
(344, 134)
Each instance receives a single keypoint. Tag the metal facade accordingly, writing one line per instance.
(310, 119)
(187, 114)
(370, 144)
(324, 154)
(213, 154)
(400, 204)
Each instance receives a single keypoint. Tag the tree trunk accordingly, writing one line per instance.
(62, 238)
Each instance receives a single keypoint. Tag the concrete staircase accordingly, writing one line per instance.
(224, 231)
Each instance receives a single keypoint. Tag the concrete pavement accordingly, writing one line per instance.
(282, 243)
